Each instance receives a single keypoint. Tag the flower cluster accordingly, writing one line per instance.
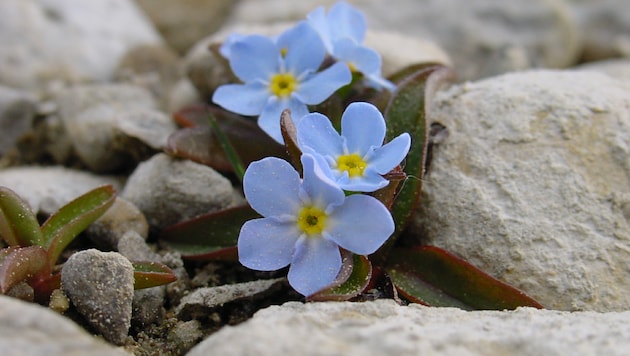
(289, 71)
(305, 221)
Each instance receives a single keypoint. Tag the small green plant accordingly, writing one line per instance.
(33, 251)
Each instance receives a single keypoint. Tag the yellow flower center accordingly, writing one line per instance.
(311, 220)
(283, 51)
(352, 163)
(352, 67)
(283, 84)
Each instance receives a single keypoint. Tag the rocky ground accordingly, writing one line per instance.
(531, 184)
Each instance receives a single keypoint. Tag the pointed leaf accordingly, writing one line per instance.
(289, 134)
(20, 265)
(432, 276)
(18, 224)
(151, 274)
(354, 278)
(209, 236)
(71, 219)
(406, 112)
(227, 147)
(198, 143)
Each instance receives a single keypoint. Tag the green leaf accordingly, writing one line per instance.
(209, 236)
(21, 264)
(354, 277)
(406, 112)
(71, 219)
(198, 143)
(435, 277)
(151, 274)
(227, 147)
(18, 224)
(289, 134)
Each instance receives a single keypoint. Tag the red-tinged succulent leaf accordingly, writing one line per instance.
(406, 112)
(151, 274)
(435, 277)
(71, 219)
(227, 147)
(289, 134)
(18, 224)
(210, 236)
(43, 285)
(198, 143)
(20, 265)
(387, 194)
(353, 278)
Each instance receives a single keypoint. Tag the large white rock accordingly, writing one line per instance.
(29, 329)
(68, 40)
(533, 185)
(483, 37)
(384, 328)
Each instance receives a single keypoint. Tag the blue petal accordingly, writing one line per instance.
(363, 126)
(361, 225)
(267, 244)
(269, 119)
(254, 57)
(316, 264)
(386, 158)
(320, 86)
(347, 22)
(322, 191)
(317, 20)
(271, 187)
(244, 99)
(364, 59)
(305, 50)
(316, 134)
(226, 46)
(369, 182)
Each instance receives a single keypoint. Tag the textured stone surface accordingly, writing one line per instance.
(121, 218)
(483, 38)
(17, 110)
(67, 40)
(384, 328)
(169, 190)
(29, 329)
(100, 285)
(113, 125)
(533, 185)
(605, 27)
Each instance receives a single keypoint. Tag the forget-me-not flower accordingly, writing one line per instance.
(279, 74)
(304, 223)
(343, 30)
(356, 159)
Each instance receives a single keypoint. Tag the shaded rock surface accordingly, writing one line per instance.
(533, 185)
(385, 328)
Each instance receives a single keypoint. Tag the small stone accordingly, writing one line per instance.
(203, 299)
(100, 285)
(121, 218)
(169, 190)
(17, 111)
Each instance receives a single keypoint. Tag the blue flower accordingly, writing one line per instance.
(343, 30)
(304, 223)
(356, 159)
(278, 74)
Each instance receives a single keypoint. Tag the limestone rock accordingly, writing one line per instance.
(532, 185)
(29, 329)
(384, 328)
(66, 40)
